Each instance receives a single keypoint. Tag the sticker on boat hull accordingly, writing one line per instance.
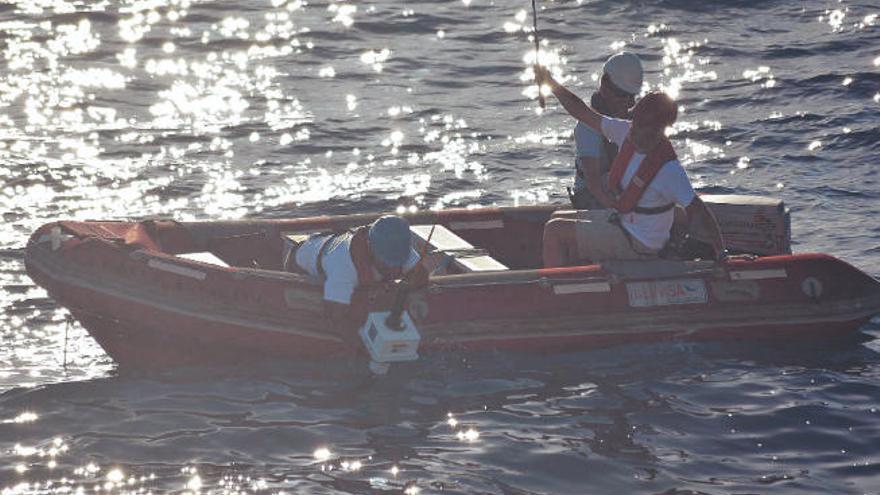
(666, 293)
(737, 291)
(812, 287)
(578, 288)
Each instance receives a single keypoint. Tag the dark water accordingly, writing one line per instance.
(200, 110)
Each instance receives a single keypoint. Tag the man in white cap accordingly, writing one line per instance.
(621, 81)
(372, 254)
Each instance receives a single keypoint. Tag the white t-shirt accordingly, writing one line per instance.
(671, 185)
(339, 269)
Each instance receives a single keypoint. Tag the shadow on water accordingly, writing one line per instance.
(603, 406)
(616, 411)
(457, 371)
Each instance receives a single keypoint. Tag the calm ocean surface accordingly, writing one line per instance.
(205, 110)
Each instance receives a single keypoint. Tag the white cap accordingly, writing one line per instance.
(625, 71)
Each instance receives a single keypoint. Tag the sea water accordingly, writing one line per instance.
(189, 110)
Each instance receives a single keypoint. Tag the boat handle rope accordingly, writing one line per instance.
(542, 281)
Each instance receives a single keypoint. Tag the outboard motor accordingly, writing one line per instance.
(751, 224)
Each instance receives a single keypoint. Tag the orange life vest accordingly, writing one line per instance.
(627, 199)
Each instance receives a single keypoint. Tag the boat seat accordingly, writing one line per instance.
(564, 213)
(295, 237)
(204, 257)
(461, 255)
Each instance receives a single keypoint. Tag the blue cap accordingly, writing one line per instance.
(390, 240)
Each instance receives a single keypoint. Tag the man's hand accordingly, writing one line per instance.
(701, 219)
(542, 76)
(569, 101)
(596, 183)
(417, 277)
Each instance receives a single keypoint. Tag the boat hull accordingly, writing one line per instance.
(147, 307)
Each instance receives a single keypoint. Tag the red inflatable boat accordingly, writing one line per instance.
(157, 293)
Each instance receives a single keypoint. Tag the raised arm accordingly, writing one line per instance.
(569, 101)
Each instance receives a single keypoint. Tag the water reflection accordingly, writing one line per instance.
(834, 18)
(681, 65)
(376, 59)
(192, 82)
(343, 13)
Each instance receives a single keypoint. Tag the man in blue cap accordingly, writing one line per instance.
(372, 254)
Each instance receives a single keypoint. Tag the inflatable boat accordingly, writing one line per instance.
(160, 292)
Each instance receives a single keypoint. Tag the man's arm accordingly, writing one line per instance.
(569, 101)
(595, 182)
(417, 277)
(344, 317)
(701, 217)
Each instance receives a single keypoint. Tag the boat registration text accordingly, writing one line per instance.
(666, 292)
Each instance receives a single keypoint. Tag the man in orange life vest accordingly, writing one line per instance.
(373, 254)
(646, 181)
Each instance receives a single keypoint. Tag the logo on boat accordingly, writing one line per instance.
(736, 290)
(666, 293)
(812, 288)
